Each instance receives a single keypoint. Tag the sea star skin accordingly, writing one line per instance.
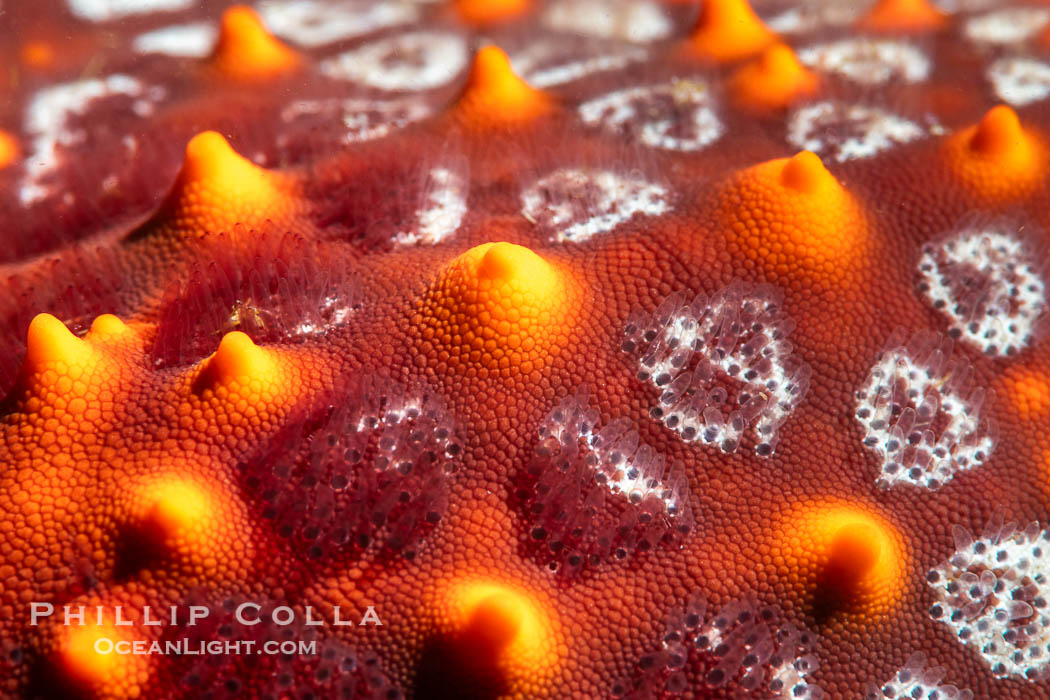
(240, 295)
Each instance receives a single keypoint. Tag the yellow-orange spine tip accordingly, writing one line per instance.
(188, 525)
(805, 172)
(9, 150)
(729, 30)
(175, 508)
(498, 308)
(217, 188)
(773, 80)
(238, 359)
(792, 213)
(87, 663)
(209, 158)
(501, 635)
(50, 342)
(903, 16)
(495, 94)
(37, 54)
(485, 12)
(998, 134)
(247, 51)
(847, 560)
(1028, 391)
(107, 325)
(997, 158)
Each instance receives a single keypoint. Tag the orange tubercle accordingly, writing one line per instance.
(217, 188)
(37, 54)
(50, 343)
(50, 346)
(483, 12)
(997, 159)
(495, 94)
(9, 149)
(1028, 391)
(196, 525)
(247, 51)
(504, 630)
(88, 660)
(773, 80)
(498, 307)
(177, 506)
(842, 557)
(728, 30)
(792, 213)
(238, 362)
(242, 389)
(903, 16)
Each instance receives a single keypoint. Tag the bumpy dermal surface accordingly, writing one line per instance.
(524, 349)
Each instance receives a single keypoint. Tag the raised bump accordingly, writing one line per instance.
(37, 54)
(728, 30)
(495, 94)
(238, 358)
(997, 159)
(500, 308)
(217, 188)
(792, 212)
(176, 507)
(773, 80)
(843, 558)
(180, 523)
(805, 172)
(501, 633)
(247, 51)
(903, 16)
(1028, 391)
(88, 668)
(485, 12)
(9, 149)
(107, 325)
(49, 342)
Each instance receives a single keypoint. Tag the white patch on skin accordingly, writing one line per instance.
(921, 415)
(811, 15)
(578, 204)
(954, 6)
(446, 205)
(993, 595)
(609, 19)
(677, 116)
(1009, 26)
(313, 23)
(914, 680)
(723, 365)
(1020, 81)
(365, 120)
(106, 10)
(549, 62)
(182, 40)
(847, 132)
(987, 285)
(333, 313)
(868, 61)
(621, 464)
(742, 646)
(415, 61)
(49, 111)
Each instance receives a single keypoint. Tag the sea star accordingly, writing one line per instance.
(508, 348)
